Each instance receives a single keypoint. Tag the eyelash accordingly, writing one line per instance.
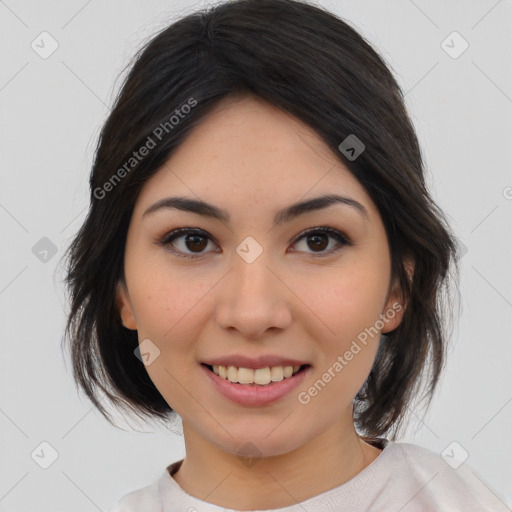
(177, 233)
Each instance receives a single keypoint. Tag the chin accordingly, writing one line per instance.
(261, 444)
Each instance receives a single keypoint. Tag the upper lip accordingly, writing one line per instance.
(241, 361)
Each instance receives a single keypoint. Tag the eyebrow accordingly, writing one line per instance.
(282, 216)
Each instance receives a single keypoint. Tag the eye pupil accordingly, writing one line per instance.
(318, 244)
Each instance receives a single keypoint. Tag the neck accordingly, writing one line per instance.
(227, 480)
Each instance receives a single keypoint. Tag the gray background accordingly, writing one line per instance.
(51, 113)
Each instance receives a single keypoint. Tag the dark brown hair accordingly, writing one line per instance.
(311, 64)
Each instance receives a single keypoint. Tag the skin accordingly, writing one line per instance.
(252, 159)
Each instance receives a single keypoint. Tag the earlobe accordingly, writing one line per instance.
(125, 308)
(392, 315)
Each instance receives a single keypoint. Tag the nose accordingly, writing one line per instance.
(253, 299)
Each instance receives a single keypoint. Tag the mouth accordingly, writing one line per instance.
(259, 387)
(268, 376)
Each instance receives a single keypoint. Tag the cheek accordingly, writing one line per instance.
(355, 308)
(347, 299)
(169, 313)
(167, 305)
(351, 310)
(349, 302)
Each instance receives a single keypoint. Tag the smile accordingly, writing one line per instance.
(253, 394)
(260, 376)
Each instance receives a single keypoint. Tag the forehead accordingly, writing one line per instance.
(248, 150)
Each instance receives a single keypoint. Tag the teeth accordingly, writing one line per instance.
(261, 376)
(277, 373)
(232, 374)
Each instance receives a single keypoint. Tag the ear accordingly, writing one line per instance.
(396, 303)
(124, 306)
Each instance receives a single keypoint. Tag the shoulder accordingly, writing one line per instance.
(152, 497)
(145, 499)
(426, 479)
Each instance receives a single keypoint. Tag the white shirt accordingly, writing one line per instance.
(403, 478)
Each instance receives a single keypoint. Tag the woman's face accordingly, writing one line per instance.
(249, 287)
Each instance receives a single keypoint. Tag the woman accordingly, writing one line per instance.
(262, 258)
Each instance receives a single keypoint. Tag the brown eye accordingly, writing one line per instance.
(195, 242)
(317, 241)
(191, 241)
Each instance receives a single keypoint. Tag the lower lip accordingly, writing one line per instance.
(246, 394)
